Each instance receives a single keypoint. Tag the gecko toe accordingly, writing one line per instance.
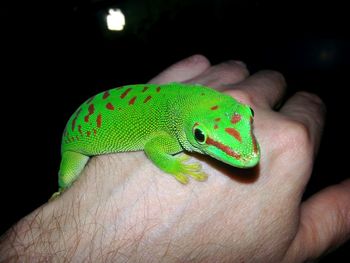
(199, 176)
(182, 178)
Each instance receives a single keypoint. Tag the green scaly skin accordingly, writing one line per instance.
(162, 120)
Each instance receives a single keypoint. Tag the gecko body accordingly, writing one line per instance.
(163, 121)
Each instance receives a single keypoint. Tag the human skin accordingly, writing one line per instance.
(124, 209)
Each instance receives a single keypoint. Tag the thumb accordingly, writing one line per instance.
(324, 223)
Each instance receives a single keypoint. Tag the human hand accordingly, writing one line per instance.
(123, 208)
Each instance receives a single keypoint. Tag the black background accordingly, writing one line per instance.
(56, 55)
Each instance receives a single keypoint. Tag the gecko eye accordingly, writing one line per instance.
(199, 135)
(251, 110)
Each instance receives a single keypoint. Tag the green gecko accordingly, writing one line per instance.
(163, 121)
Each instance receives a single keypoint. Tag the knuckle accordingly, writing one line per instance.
(296, 136)
(197, 59)
(316, 109)
(243, 96)
(231, 71)
(274, 75)
(238, 67)
(312, 98)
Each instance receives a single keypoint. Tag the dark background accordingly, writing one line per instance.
(56, 55)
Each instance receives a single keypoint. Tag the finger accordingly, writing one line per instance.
(308, 110)
(221, 75)
(183, 70)
(264, 89)
(324, 223)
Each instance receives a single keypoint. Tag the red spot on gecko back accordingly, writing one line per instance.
(147, 99)
(216, 126)
(73, 123)
(235, 118)
(214, 107)
(79, 129)
(132, 101)
(105, 95)
(109, 106)
(223, 148)
(217, 119)
(91, 111)
(233, 132)
(88, 133)
(144, 89)
(158, 89)
(125, 93)
(75, 119)
(99, 121)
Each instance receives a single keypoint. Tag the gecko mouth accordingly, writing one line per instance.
(245, 161)
(223, 148)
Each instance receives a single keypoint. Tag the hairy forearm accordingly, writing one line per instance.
(127, 216)
(40, 236)
(74, 226)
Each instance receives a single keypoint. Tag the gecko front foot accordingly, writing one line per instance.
(159, 150)
(183, 170)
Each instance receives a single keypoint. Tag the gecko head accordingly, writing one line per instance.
(225, 132)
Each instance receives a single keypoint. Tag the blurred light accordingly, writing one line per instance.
(327, 55)
(115, 20)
